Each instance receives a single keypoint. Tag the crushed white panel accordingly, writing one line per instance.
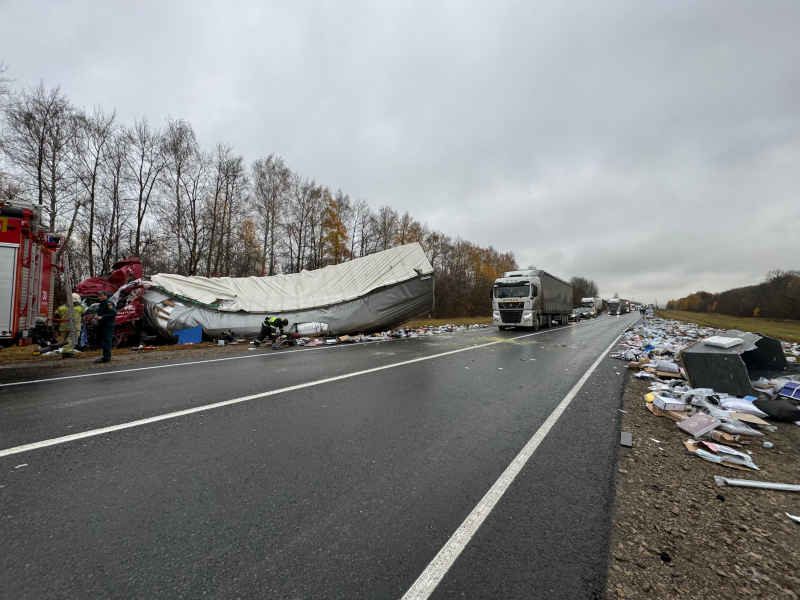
(305, 290)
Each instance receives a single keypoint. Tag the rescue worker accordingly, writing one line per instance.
(270, 328)
(107, 314)
(62, 312)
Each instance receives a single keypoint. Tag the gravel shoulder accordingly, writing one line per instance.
(676, 534)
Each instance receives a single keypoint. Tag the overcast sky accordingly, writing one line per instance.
(651, 146)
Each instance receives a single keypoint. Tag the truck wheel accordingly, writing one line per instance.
(536, 323)
(548, 321)
(501, 327)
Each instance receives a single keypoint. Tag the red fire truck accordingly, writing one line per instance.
(27, 277)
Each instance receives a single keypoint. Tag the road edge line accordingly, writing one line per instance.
(436, 570)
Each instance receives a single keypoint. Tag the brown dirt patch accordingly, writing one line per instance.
(723, 542)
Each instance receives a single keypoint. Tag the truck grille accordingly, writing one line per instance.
(511, 316)
(512, 305)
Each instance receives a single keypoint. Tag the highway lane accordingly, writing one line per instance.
(342, 489)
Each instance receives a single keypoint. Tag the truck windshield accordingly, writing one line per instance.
(587, 304)
(613, 302)
(512, 291)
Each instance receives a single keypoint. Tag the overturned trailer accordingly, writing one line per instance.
(366, 294)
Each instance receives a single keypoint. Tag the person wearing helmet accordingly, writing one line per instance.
(270, 327)
(62, 313)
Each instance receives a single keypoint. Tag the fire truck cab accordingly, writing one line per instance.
(27, 252)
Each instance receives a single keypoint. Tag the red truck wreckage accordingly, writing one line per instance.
(29, 266)
(370, 293)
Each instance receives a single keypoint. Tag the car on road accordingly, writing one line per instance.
(575, 315)
(588, 313)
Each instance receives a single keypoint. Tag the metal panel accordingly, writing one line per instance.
(23, 284)
(8, 265)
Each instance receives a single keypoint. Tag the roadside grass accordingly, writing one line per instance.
(416, 323)
(14, 354)
(788, 331)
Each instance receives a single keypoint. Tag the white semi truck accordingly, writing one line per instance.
(618, 306)
(530, 299)
(595, 303)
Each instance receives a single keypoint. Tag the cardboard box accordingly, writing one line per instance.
(748, 418)
(672, 415)
(670, 404)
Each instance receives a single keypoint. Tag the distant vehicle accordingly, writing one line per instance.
(576, 315)
(530, 299)
(588, 313)
(625, 306)
(614, 306)
(595, 303)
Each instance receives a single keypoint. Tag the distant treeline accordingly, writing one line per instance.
(777, 297)
(115, 190)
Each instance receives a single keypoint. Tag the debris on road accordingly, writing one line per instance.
(666, 500)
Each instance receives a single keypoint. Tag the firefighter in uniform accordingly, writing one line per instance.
(270, 328)
(107, 313)
(62, 312)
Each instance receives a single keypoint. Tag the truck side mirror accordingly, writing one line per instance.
(535, 292)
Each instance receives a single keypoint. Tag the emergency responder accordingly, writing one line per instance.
(270, 328)
(107, 314)
(62, 312)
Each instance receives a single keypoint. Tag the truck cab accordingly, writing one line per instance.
(530, 299)
(514, 300)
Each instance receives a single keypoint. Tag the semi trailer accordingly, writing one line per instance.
(614, 306)
(530, 299)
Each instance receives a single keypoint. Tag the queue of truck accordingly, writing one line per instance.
(535, 298)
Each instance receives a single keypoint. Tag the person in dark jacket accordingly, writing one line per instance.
(270, 328)
(107, 314)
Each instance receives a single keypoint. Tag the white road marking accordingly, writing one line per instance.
(199, 362)
(197, 409)
(183, 364)
(433, 574)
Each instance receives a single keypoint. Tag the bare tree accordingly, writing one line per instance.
(180, 148)
(40, 127)
(144, 160)
(5, 86)
(271, 181)
(94, 133)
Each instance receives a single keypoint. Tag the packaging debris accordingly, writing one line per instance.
(763, 485)
(722, 388)
(720, 454)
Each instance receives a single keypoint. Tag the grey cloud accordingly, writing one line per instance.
(651, 146)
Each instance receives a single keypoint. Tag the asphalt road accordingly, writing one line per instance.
(346, 485)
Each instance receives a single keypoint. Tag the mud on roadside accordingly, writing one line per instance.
(676, 534)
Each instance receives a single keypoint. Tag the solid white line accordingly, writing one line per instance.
(183, 364)
(199, 362)
(434, 573)
(197, 409)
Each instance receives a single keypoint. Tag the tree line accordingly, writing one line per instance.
(777, 297)
(115, 190)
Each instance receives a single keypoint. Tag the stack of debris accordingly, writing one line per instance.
(753, 384)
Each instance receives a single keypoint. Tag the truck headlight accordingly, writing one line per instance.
(527, 316)
(496, 315)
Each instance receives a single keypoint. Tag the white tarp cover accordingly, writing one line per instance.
(304, 290)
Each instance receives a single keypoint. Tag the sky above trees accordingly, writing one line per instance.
(651, 147)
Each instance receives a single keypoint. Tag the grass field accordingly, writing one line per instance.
(454, 321)
(788, 331)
